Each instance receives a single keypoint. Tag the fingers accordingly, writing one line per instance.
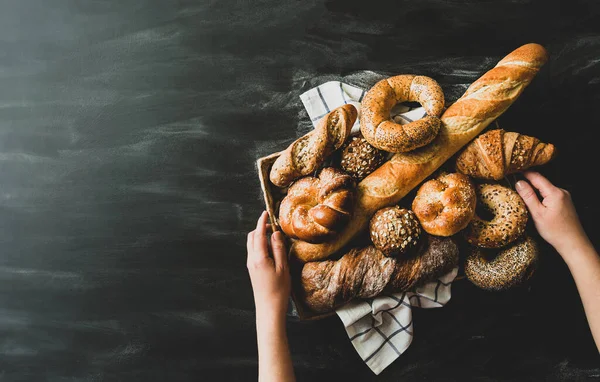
(529, 197)
(538, 181)
(260, 244)
(250, 242)
(279, 250)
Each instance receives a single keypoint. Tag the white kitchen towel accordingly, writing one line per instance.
(381, 328)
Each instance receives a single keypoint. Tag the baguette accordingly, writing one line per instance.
(484, 101)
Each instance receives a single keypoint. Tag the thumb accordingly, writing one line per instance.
(529, 197)
(279, 250)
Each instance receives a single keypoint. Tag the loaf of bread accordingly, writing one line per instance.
(485, 100)
(306, 154)
(367, 272)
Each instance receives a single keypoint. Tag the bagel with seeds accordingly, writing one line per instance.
(509, 267)
(508, 221)
(383, 133)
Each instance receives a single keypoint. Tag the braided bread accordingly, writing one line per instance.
(317, 207)
(367, 272)
(484, 101)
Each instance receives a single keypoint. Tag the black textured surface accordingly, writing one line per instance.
(128, 135)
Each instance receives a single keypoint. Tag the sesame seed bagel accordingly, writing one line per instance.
(383, 133)
(508, 223)
(510, 267)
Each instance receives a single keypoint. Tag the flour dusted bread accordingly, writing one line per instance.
(367, 272)
(306, 154)
(485, 100)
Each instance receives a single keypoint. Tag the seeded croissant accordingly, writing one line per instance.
(498, 153)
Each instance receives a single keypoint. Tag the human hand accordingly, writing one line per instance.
(555, 217)
(270, 275)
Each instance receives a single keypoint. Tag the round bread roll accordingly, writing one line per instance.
(446, 204)
(359, 158)
(394, 230)
(315, 208)
(510, 266)
(508, 223)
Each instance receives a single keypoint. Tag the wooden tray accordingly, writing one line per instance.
(272, 196)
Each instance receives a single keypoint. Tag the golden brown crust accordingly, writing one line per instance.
(366, 273)
(383, 133)
(461, 122)
(497, 153)
(315, 208)
(508, 223)
(446, 204)
(306, 154)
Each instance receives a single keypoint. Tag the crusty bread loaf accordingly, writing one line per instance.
(367, 272)
(485, 100)
(307, 153)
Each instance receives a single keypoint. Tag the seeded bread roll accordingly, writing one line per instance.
(359, 158)
(394, 230)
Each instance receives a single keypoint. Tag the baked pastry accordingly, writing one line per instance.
(317, 207)
(380, 131)
(509, 267)
(446, 204)
(485, 100)
(394, 230)
(359, 158)
(366, 273)
(508, 222)
(306, 154)
(497, 153)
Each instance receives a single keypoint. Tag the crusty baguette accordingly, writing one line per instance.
(485, 100)
(307, 153)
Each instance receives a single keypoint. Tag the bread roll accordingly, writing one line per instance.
(485, 100)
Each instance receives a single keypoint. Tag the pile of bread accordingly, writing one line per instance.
(341, 192)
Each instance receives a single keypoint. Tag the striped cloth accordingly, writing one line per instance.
(381, 328)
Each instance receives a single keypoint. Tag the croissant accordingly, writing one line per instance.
(367, 272)
(307, 153)
(498, 153)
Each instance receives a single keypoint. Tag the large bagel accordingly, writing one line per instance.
(508, 223)
(381, 132)
(510, 267)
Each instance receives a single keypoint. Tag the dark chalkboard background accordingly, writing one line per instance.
(128, 135)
